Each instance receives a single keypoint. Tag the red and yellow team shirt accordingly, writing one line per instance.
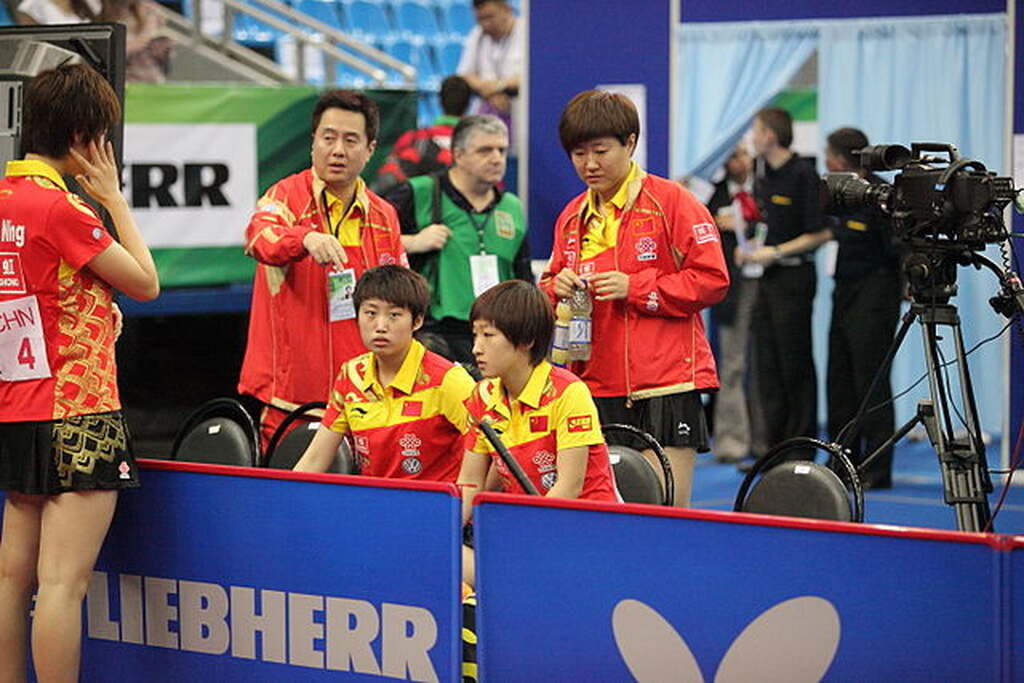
(602, 223)
(553, 412)
(411, 429)
(56, 322)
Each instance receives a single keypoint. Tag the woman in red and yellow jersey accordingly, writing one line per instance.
(401, 404)
(63, 442)
(544, 414)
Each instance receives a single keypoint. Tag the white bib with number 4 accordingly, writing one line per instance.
(22, 345)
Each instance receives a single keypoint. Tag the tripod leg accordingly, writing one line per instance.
(899, 434)
(851, 432)
(962, 464)
(971, 418)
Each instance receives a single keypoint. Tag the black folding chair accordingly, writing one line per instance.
(286, 447)
(219, 432)
(802, 488)
(635, 478)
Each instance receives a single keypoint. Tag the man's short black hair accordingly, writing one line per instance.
(481, 3)
(455, 95)
(396, 285)
(780, 122)
(349, 100)
(845, 141)
(522, 312)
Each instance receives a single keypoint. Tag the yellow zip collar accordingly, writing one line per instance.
(34, 167)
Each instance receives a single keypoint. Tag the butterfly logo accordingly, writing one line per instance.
(795, 640)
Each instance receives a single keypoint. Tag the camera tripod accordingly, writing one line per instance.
(931, 274)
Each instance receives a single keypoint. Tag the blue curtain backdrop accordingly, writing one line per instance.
(727, 73)
(933, 79)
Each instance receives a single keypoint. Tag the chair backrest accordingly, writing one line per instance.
(219, 432)
(800, 489)
(322, 10)
(459, 18)
(418, 19)
(368, 18)
(622, 434)
(448, 55)
(292, 446)
(634, 477)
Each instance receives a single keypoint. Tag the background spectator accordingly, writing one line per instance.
(58, 11)
(148, 51)
(787, 193)
(865, 310)
(492, 58)
(462, 232)
(735, 211)
(426, 150)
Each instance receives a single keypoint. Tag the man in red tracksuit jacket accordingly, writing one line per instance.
(313, 235)
(649, 254)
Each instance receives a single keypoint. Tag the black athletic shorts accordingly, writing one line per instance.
(675, 420)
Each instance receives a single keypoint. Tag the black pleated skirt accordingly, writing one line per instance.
(80, 453)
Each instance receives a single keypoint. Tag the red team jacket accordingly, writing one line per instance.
(651, 343)
(294, 352)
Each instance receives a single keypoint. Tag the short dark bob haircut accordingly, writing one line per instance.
(521, 312)
(396, 285)
(64, 106)
(596, 114)
(349, 100)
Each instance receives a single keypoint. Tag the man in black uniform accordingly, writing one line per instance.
(865, 310)
(787, 191)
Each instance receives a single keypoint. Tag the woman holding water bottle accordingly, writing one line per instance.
(647, 254)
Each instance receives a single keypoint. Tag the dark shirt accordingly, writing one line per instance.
(865, 241)
(404, 201)
(788, 197)
(417, 152)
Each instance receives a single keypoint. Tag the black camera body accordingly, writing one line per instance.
(948, 201)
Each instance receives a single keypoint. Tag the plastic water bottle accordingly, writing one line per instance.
(580, 325)
(560, 343)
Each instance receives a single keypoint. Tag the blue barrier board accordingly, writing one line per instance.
(1014, 619)
(235, 574)
(577, 591)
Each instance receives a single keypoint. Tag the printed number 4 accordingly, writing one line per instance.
(25, 356)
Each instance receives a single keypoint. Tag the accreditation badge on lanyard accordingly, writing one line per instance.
(22, 344)
(483, 267)
(341, 284)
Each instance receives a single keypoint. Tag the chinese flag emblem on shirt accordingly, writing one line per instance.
(412, 408)
(538, 423)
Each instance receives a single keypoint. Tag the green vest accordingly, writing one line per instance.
(448, 271)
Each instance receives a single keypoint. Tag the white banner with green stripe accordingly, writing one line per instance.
(196, 159)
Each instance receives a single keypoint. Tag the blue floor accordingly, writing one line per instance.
(914, 500)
